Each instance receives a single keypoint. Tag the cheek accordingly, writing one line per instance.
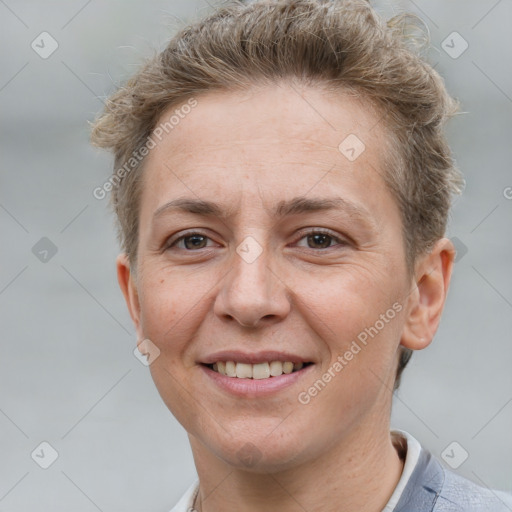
(172, 307)
(356, 375)
(169, 303)
(358, 318)
(348, 301)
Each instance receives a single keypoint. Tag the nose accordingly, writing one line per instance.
(252, 292)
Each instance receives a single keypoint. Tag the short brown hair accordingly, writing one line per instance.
(342, 45)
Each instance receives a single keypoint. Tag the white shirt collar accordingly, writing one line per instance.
(413, 449)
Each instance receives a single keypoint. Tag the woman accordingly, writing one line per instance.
(282, 184)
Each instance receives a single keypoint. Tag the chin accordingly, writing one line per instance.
(259, 453)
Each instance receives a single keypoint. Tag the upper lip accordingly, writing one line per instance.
(253, 357)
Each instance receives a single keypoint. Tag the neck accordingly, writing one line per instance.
(360, 473)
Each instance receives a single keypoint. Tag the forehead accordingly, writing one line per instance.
(277, 140)
(273, 114)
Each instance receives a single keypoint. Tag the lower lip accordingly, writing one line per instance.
(255, 387)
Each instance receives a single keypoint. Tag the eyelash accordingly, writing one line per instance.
(318, 231)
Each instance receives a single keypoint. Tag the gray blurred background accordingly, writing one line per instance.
(68, 375)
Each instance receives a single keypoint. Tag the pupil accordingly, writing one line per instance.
(196, 240)
(321, 237)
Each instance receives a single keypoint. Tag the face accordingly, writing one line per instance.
(282, 249)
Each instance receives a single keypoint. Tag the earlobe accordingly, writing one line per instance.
(427, 298)
(128, 287)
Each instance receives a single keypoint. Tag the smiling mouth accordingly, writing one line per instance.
(256, 371)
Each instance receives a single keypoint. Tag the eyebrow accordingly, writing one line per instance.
(297, 205)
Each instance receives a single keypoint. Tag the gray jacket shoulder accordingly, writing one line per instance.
(433, 488)
(458, 494)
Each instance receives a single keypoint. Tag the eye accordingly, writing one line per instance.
(315, 239)
(190, 241)
(321, 239)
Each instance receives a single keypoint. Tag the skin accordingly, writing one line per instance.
(248, 151)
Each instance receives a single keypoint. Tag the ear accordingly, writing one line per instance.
(128, 286)
(426, 301)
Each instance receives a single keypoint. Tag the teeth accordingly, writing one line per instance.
(230, 369)
(260, 371)
(244, 371)
(276, 368)
(287, 367)
(256, 371)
